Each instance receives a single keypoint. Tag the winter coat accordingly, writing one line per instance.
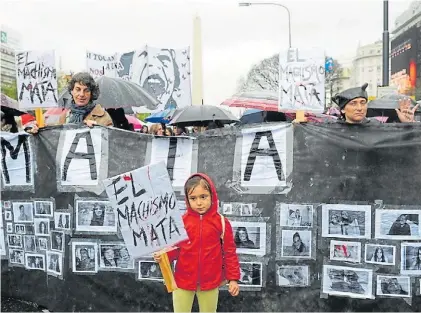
(98, 114)
(200, 260)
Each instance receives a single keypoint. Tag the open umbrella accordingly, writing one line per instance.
(10, 106)
(385, 107)
(262, 100)
(137, 125)
(117, 93)
(259, 116)
(202, 115)
(161, 116)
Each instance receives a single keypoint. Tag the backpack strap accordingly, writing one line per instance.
(223, 227)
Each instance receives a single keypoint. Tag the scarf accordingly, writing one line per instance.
(77, 114)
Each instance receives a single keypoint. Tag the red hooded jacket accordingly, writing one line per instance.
(199, 259)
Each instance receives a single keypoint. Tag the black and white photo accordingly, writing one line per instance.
(250, 237)
(57, 241)
(20, 229)
(296, 215)
(227, 209)
(411, 258)
(346, 221)
(42, 226)
(149, 270)
(35, 261)
(393, 286)
(296, 244)
(246, 209)
(42, 243)
(23, 212)
(250, 274)
(348, 281)
(292, 275)
(115, 256)
(349, 251)
(95, 216)
(7, 204)
(380, 254)
(44, 208)
(54, 263)
(8, 216)
(16, 256)
(14, 241)
(62, 221)
(9, 228)
(84, 257)
(29, 243)
(398, 224)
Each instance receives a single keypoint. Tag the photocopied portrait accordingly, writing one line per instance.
(292, 275)
(9, 227)
(411, 258)
(54, 263)
(250, 274)
(35, 261)
(349, 251)
(16, 256)
(150, 270)
(57, 241)
(296, 244)
(227, 209)
(250, 237)
(296, 215)
(246, 209)
(398, 224)
(42, 226)
(42, 243)
(8, 215)
(29, 243)
(115, 256)
(380, 254)
(62, 221)
(23, 212)
(20, 229)
(393, 286)
(95, 216)
(44, 208)
(84, 257)
(14, 241)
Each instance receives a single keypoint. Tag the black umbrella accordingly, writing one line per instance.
(117, 93)
(386, 105)
(10, 106)
(202, 115)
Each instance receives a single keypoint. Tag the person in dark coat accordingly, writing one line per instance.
(400, 227)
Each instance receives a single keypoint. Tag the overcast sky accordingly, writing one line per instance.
(234, 38)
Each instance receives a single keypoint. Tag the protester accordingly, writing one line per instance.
(180, 131)
(145, 129)
(157, 130)
(15, 124)
(405, 113)
(83, 110)
(168, 132)
(201, 259)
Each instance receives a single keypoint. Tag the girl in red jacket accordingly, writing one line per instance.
(204, 262)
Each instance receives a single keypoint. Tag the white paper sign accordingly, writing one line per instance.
(302, 80)
(2, 242)
(102, 65)
(176, 153)
(36, 79)
(147, 210)
(16, 159)
(81, 157)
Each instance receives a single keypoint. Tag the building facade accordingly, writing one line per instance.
(10, 42)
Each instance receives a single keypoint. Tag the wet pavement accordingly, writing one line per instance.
(15, 305)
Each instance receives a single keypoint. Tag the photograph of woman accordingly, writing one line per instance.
(42, 226)
(57, 241)
(242, 240)
(98, 215)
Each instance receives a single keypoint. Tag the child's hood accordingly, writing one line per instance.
(214, 194)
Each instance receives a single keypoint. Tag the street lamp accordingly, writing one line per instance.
(247, 4)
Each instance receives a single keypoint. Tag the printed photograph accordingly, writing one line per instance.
(227, 209)
(42, 226)
(380, 254)
(95, 216)
(246, 209)
(9, 227)
(62, 220)
(292, 275)
(43, 208)
(57, 241)
(8, 215)
(15, 241)
(17, 256)
(250, 237)
(7, 204)
(348, 281)
(29, 243)
(411, 258)
(84, 257)
(296, 215)
(115, 256)
(23, 212)
(398, 224)
(20, 229)
(35, 261)
(296, 244)
(349, 251)
(346, 221)
(42, 243)
(393, 286)
(54, 263)
(250, 274)
(150, 270)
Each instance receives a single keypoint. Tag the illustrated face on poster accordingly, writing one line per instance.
(42, 243)
(250, 237)
(54, 263)
(348, 281)
(57, 241)
(62, 220)
(380, 254)
(149, 270)
(296, 244)
(296, 215)
(8, 215)
(345, 251)
(85, 258)
(15, 241)
(250, 274)
(29, 243)
(115, 256)
(35, 261)
(95, 216)
(411, 258)
(398, 224)
(346, 221)
(246, 209)
(20, 229)
(16, 256)
(292, 275)
(393, 286)
(23, 212)
(42, 226)
(43, 208)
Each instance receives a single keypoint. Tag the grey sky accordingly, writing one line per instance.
(234, 38)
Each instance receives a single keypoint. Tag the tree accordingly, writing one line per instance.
(10, 90)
